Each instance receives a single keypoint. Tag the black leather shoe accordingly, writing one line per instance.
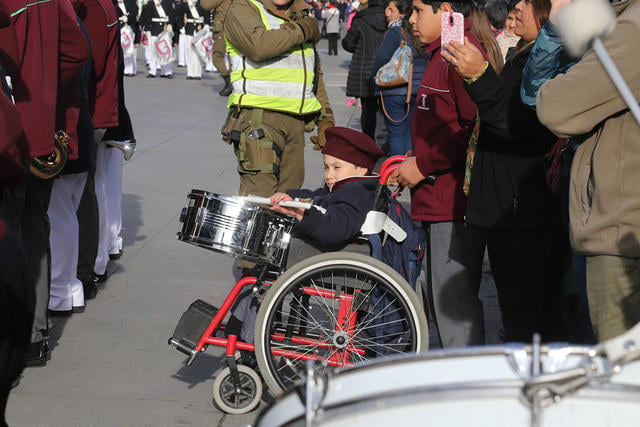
(90, 289)
(60, 313)
(99, 278)
(67, 313)
(115, 256)
(39, 353)
(151, 76)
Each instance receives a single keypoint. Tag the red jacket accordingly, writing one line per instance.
(443, 119)
(101, 22)
(31, 47)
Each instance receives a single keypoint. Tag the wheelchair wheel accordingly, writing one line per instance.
(337, 308)
(238, 400)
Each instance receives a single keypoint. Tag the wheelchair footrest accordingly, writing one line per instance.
(192, 325)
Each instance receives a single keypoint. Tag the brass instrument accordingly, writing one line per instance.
(127, 147)
(49, 165)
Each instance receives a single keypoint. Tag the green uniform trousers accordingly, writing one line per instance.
(613, 289)
(287, 132)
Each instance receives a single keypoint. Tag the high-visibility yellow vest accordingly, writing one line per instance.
(284, 83)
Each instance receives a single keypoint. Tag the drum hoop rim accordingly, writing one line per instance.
(242, 203)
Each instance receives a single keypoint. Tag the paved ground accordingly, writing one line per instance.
(111, 365)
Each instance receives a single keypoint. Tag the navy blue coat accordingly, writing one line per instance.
(346, 208)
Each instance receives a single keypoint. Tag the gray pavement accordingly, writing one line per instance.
(111, 366)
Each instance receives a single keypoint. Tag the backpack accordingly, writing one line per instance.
(405, 256)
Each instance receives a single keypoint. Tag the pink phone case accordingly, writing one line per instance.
(452, 25)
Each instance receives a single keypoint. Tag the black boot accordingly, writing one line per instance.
(227, 89)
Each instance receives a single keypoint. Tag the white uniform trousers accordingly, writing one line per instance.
(148, 50)
(194, 65)
(102, 256)
(154, 66)
(66, 290)
(113, 186)
(182, 49)
(131, 63)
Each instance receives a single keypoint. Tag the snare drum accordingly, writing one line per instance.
(232, 226)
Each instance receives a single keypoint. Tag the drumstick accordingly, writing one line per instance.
(266, 201)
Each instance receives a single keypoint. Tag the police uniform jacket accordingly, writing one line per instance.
(244, 28)
(220, 7)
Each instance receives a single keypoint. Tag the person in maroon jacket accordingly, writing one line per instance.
(443, 120)
(42, 48)
(101, 21)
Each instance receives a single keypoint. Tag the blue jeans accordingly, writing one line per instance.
(398, 131)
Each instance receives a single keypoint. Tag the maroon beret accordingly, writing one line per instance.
(352, 146)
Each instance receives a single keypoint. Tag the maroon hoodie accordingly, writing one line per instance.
(41, 48)
(443, 119)
(100, 20)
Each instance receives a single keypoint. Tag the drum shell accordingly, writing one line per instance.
(231, 226)
(458, 388)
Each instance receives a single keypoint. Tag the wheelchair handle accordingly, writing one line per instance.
(391, 162)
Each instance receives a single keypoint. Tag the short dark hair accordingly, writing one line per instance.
(404, 6)
(497, 12)
(461, 6)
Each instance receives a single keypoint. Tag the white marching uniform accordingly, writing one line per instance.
(102, 257)
(193, 22)
(154, 63)
(130, 53)
(182, 49)
(113, 186)
(108, 187)
(66, 289)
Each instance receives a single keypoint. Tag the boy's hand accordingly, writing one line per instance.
(297, 213)
(280, 197)
(408, 174)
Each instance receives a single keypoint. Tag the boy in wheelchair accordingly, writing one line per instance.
(339, 209)
(341, 205)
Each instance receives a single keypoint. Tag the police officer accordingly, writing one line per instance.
(278, 92)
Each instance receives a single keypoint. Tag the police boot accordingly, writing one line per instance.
(227, 89)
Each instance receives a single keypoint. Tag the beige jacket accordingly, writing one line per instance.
(604, 199)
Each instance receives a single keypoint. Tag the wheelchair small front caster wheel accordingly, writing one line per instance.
(237, 400)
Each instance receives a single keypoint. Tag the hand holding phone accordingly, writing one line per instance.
(451, 28)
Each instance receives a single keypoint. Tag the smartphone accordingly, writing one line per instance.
(452, 27)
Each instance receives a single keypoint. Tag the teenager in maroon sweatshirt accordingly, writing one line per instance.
(443, 119)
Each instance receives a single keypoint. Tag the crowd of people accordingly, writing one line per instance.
(477, 123)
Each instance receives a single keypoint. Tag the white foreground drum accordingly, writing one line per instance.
(513, 385)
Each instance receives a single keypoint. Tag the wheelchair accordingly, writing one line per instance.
(336, 308)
